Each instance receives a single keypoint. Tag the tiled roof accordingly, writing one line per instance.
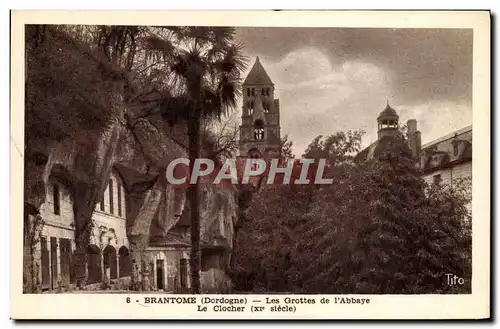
(448, 150)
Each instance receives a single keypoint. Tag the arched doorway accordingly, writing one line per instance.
(110, 268)
(254, 153)
(258, 129)
(94, 264)
(125, 262)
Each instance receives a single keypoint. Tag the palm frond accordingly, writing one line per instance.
(199, 35)
(233, 60)
(212, 105)
(175, 108)
(229, 91)
(223, 35)
(154, 44)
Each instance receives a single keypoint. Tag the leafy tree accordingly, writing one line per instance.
(286, 148)
(261, 259)
(275, 220)
(57, 107)
(379, 231)
(336, 148)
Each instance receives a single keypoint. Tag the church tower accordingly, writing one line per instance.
(260, 128)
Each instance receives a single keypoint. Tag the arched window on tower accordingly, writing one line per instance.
(266, 105)
(258, 130)
(111, 196)
(250, 107)
(388, 124)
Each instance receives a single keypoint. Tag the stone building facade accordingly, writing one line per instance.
(448, 160)
(165, 260)
(108, 251)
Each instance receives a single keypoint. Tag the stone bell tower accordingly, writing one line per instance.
(260, 128)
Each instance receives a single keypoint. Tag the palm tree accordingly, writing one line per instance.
(206, 63)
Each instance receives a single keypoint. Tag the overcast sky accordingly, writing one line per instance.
(340, 79)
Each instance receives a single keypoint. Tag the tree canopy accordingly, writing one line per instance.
(377, 229)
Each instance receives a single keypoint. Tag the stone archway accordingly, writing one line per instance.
(109, 261)
(125, 262)
(254, 153)
(94, 264)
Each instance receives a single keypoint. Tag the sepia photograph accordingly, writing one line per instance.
(178, 160)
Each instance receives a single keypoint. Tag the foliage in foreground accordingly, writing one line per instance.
(377, 229)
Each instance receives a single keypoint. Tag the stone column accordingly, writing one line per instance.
(165, 275)
(188, 256)
(117, 264)
(38, 264)
(58, 254)
(72, 274)
(102, 264)
(51, 278)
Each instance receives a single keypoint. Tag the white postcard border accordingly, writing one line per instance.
(108, 306)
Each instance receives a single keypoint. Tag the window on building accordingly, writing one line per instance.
(263, 91)
(248, 91)
(267, 91)
(258, 130)
(222, 225)
(101, 203)
(250, 107)
(111, 210)
(57, 199)
(259, 133)
(437, 179)
(455, 149)
(253, 91)
(119, 190)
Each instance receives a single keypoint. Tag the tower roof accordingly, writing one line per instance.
(258, 75)
(388, 112)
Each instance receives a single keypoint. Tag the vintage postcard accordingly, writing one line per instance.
(250, 165)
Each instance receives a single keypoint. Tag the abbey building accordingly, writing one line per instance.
(446, 160)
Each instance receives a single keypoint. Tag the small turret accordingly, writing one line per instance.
(388, 122)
